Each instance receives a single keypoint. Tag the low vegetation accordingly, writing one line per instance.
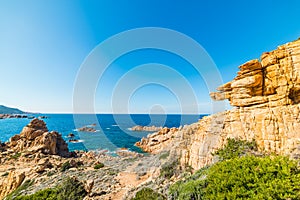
(51, 173)
(252, 177)
(242, 176)
(169, 169)
(15, 156)
(18, 191)
(65, 166)
(71, 188)
(164, 155)
(149, 194)
(99, 166)
(236, 148)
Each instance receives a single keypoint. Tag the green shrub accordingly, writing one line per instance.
(15, 156)
(148, 194)
(112, 173)
(65, 166)
(164, 155)
(98, 166)
(246, 177)
(235, 148)
(50, 173)
(189, 188)
(47, 194)
(71, 189)
(168, 169)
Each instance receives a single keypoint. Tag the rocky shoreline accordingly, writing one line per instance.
(266, 99)
(43, 156)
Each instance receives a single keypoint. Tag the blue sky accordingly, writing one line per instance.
(44, 43)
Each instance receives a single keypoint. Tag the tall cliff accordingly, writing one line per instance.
(266, 99)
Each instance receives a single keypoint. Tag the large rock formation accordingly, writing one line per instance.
(24, 154)
(266, 96)
(273, 82)
(36, 138)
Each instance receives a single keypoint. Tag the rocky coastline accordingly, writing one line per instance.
(43, 156)
(265, 95)
(266, 100)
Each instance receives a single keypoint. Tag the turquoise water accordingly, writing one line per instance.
(112, 130)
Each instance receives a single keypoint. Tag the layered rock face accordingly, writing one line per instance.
(266, 96)
(36, 138)
(273, 82)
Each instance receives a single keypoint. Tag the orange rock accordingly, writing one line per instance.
(267, 99)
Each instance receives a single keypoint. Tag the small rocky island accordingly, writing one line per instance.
(88, 128)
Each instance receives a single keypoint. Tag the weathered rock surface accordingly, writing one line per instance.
(155, 142)
(36, 138)
(146, 128)
(272, 82)
(266, 95)
(10, 183)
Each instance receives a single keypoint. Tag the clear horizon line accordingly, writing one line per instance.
(127, 113)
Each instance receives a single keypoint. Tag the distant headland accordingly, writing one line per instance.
(10, 111)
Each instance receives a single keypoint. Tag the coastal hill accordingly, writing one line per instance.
(266, 99)
(8, 110)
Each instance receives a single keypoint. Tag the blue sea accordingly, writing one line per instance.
(113, 131)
